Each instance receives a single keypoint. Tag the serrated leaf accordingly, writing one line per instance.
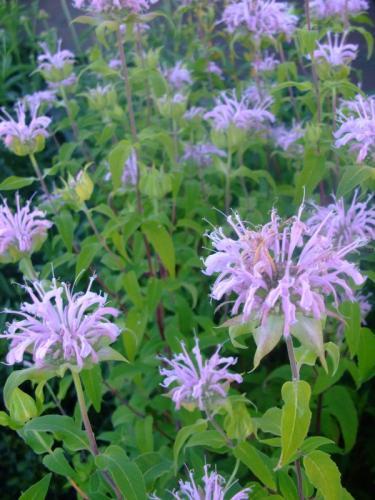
(323, 473)
(267, 336)
(309, 331)
(37, 491)
(312, 443)
(92, 382)
(162, 242)
(295, 418)
(253, 459)
(125, 473)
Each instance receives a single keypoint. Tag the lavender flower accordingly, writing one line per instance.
(59, 326)
(358, 129)
(37, 99)
(263, 18)
(20, 137)
(56, 68)
(239, 113)
(213, 488)
(286, 139)
(201, 154)
(346, 225)
(199, 383)
(365, 306)
(337, 8)
(130, 172)
(282, 270)
(214, 69)
(115, 64)
(22, 231)
(178, 76)
(101, 6)
(268, 63)
(194, 112)
(336, 52)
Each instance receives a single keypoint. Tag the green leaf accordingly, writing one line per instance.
(57, 463)
(238, 423)
(183, 435)
(338, 403)
(153, 465)
(313, 171)
(22, 407)
(271, 421)
(86, 256)
(12, 183)
(117, 158)
(353, 176)
(92, 381)
(254, 175)
(63, 428)
(132, 288)
(333, 352)
(162, 242)
(267, 336)
(295, 418)
(366, 354)
(253, 459)
(287, 486)
(324, 475)
(4, 419)
(312, 443)
(352, 316)
(65, 225)
(125, 473)
(309, 331)
(37, 491)
(210, 439)
(144, 434)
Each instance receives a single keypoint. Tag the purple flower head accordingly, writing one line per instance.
(286, 139)
(197, 382)
(56, 67)
(268, 63)
(21, 137)
(213, 68)
(337, 8)
(213, 488)
(263, 18)
(201, 154)
(178, 76)
(37, 99)
(347, 224)
(115, 64)
(336, 52)
(194, 112)
(240, 113)
(282, 268)
(101, 6)
(358, 128)
(21, 231)
(58, 326)
(130, 172)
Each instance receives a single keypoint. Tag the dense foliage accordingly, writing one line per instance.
(185, 248)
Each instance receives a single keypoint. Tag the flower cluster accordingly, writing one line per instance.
(178, 76)
(37, 99)
(240, 113)
(59, 326)
(280, 269)
(57, 68)
(265, 64)
(21, 231)
(201, 154)
(346, 225)
(98, 6)
(337, 8)
(357, 128)
(336, 52)
(198, 383)
(214, 69)
(286, 139)
(263, 18)
(213, 488)
(24, 138)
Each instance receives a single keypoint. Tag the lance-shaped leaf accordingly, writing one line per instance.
(295, 418)
(323, 474)
(37, 491)
(253, 459)
(266, 337)
(309, 331)
(162, 242)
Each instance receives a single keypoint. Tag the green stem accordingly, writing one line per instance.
(89, 431)
(219, 429)
(227, 183)
(231, 480)
(295, 377)
(39, 175)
